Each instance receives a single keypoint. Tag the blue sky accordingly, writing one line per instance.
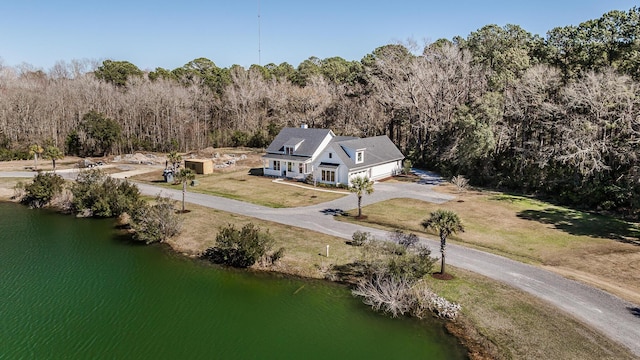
(169, 34)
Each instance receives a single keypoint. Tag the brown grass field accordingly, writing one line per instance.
(304, 250)
(518, 324)
(236, 183)
(598, 250)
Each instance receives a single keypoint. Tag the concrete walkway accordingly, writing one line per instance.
(616, 318)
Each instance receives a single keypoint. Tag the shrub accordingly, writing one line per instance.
(239, 138)
(258, 140)
(396, 260)
(360, 238)
(275, 256)
(7, 154)
(406, 166)
(19, 191)
(390, 248)
(460, 182)
(413, 265)
(406, 240)
(96, 194)
(42, 189)
(376, 255)
(157, 222)
(242, 248)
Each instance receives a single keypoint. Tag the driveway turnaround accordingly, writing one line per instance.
(614, 317)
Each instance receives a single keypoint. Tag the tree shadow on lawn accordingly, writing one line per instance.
(585, 224)
(256, 171)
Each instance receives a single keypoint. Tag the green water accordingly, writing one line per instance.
(72, 289)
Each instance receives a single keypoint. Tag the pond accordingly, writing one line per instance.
(75, 289)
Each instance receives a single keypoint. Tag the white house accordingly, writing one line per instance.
(298, 153)
(292, 152)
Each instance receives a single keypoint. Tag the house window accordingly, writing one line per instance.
(328, 176)
(288, 150)
(359, 157)
(300, 168)
(289, 166)
(276, 165)
(330, 155)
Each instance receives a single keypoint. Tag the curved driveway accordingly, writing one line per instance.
(616, 318)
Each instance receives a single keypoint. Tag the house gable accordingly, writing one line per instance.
(294, 150)
(302, 142)
(374, 151)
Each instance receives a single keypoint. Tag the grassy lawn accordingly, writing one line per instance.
(7, 185)
(9, 182)
(239, 185)
(304, 250)
(519, 324)
(598, 250)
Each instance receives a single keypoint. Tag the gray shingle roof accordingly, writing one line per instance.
(290, 136)
(293, 142)
(378, 150)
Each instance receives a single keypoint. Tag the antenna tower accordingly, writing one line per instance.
(259, 37)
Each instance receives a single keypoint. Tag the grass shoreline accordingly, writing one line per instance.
(484, 340)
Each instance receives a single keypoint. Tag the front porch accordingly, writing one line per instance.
(289, 169)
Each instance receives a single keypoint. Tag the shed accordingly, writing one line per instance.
(199, 166)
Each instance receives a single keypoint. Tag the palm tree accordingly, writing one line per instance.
(52, 153)
(35, 150)
(183, 176)
(174, 158)
(445, 222)
(360, 185)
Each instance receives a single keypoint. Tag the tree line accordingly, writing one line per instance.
(557, 115)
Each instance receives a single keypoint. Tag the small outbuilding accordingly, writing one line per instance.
(199, 166)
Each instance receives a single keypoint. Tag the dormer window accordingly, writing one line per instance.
(359, 156)
(292, 145)
(330, 155)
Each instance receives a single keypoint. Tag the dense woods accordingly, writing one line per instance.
(557, 115)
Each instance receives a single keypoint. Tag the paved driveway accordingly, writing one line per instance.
(616, 318)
